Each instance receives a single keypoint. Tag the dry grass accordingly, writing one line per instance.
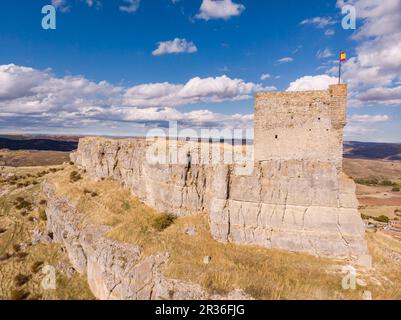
(23, 158)
(386, 253)
(263, 273)
(20, 261)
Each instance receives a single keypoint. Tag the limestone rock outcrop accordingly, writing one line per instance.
(116, 270)
(296, 196)
(294, 205)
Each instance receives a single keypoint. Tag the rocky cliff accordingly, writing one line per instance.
(115, 270)
(306, 206)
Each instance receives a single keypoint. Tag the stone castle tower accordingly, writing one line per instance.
(305, 126)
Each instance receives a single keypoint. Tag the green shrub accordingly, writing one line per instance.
(42, 215)
(367, 182)
(396, 189)
(387, 183)
(126, 205)
(382, 218)
(163, 221)
(20, 203)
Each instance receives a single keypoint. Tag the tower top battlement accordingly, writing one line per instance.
(301, 125)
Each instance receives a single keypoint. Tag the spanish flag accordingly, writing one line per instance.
(343, 56)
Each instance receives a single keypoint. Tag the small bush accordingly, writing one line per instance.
(42, 215)
(163, 221)
(367, 182)
(43, 202)
(387, 183)
(19, 294)
(24, 213)
(20, 203)
(382, 218)
(2, 230)
(94, 194)
(37, 266)
(126, 205)
(22, 255)
(75, 176)
(71, 163)
(21, 279)
(396, 189)
(5, 257)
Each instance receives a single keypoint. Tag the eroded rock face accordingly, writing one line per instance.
(297, 205)
(295, 197)
(115, 270)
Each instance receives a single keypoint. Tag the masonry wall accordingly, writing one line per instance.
(305, 126)
(296, 198)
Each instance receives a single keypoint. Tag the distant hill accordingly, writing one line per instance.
(352, 149)
(372, 150)
(46, 144)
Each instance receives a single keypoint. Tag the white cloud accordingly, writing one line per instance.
(320, 82)
(382, 95)
(285, 60)
(265, 76)
(18, 81)
(31, 97)
(64, 5)
(222, 9)
(365, 118)
(358, 131)
(329, 32)
(175, 46)
(61, 5)
(196, 90)
(326, 53)
(319, 22)
(130, 6)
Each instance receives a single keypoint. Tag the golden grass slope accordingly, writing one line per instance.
(263, 273)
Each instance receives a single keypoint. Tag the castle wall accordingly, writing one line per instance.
(296, 198)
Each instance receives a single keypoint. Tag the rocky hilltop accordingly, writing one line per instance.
(295, 195)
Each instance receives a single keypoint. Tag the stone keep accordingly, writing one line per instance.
(305, 126)
(297, 197)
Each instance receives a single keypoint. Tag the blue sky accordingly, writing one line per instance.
(120, 67)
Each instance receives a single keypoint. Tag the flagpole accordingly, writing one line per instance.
(339, 70)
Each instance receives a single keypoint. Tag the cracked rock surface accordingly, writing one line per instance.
(115, 270)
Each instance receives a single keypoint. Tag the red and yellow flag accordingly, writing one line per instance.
(343, 56)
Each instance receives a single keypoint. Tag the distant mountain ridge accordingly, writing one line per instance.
(41, 144)
(352, 149)
(372, 150)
